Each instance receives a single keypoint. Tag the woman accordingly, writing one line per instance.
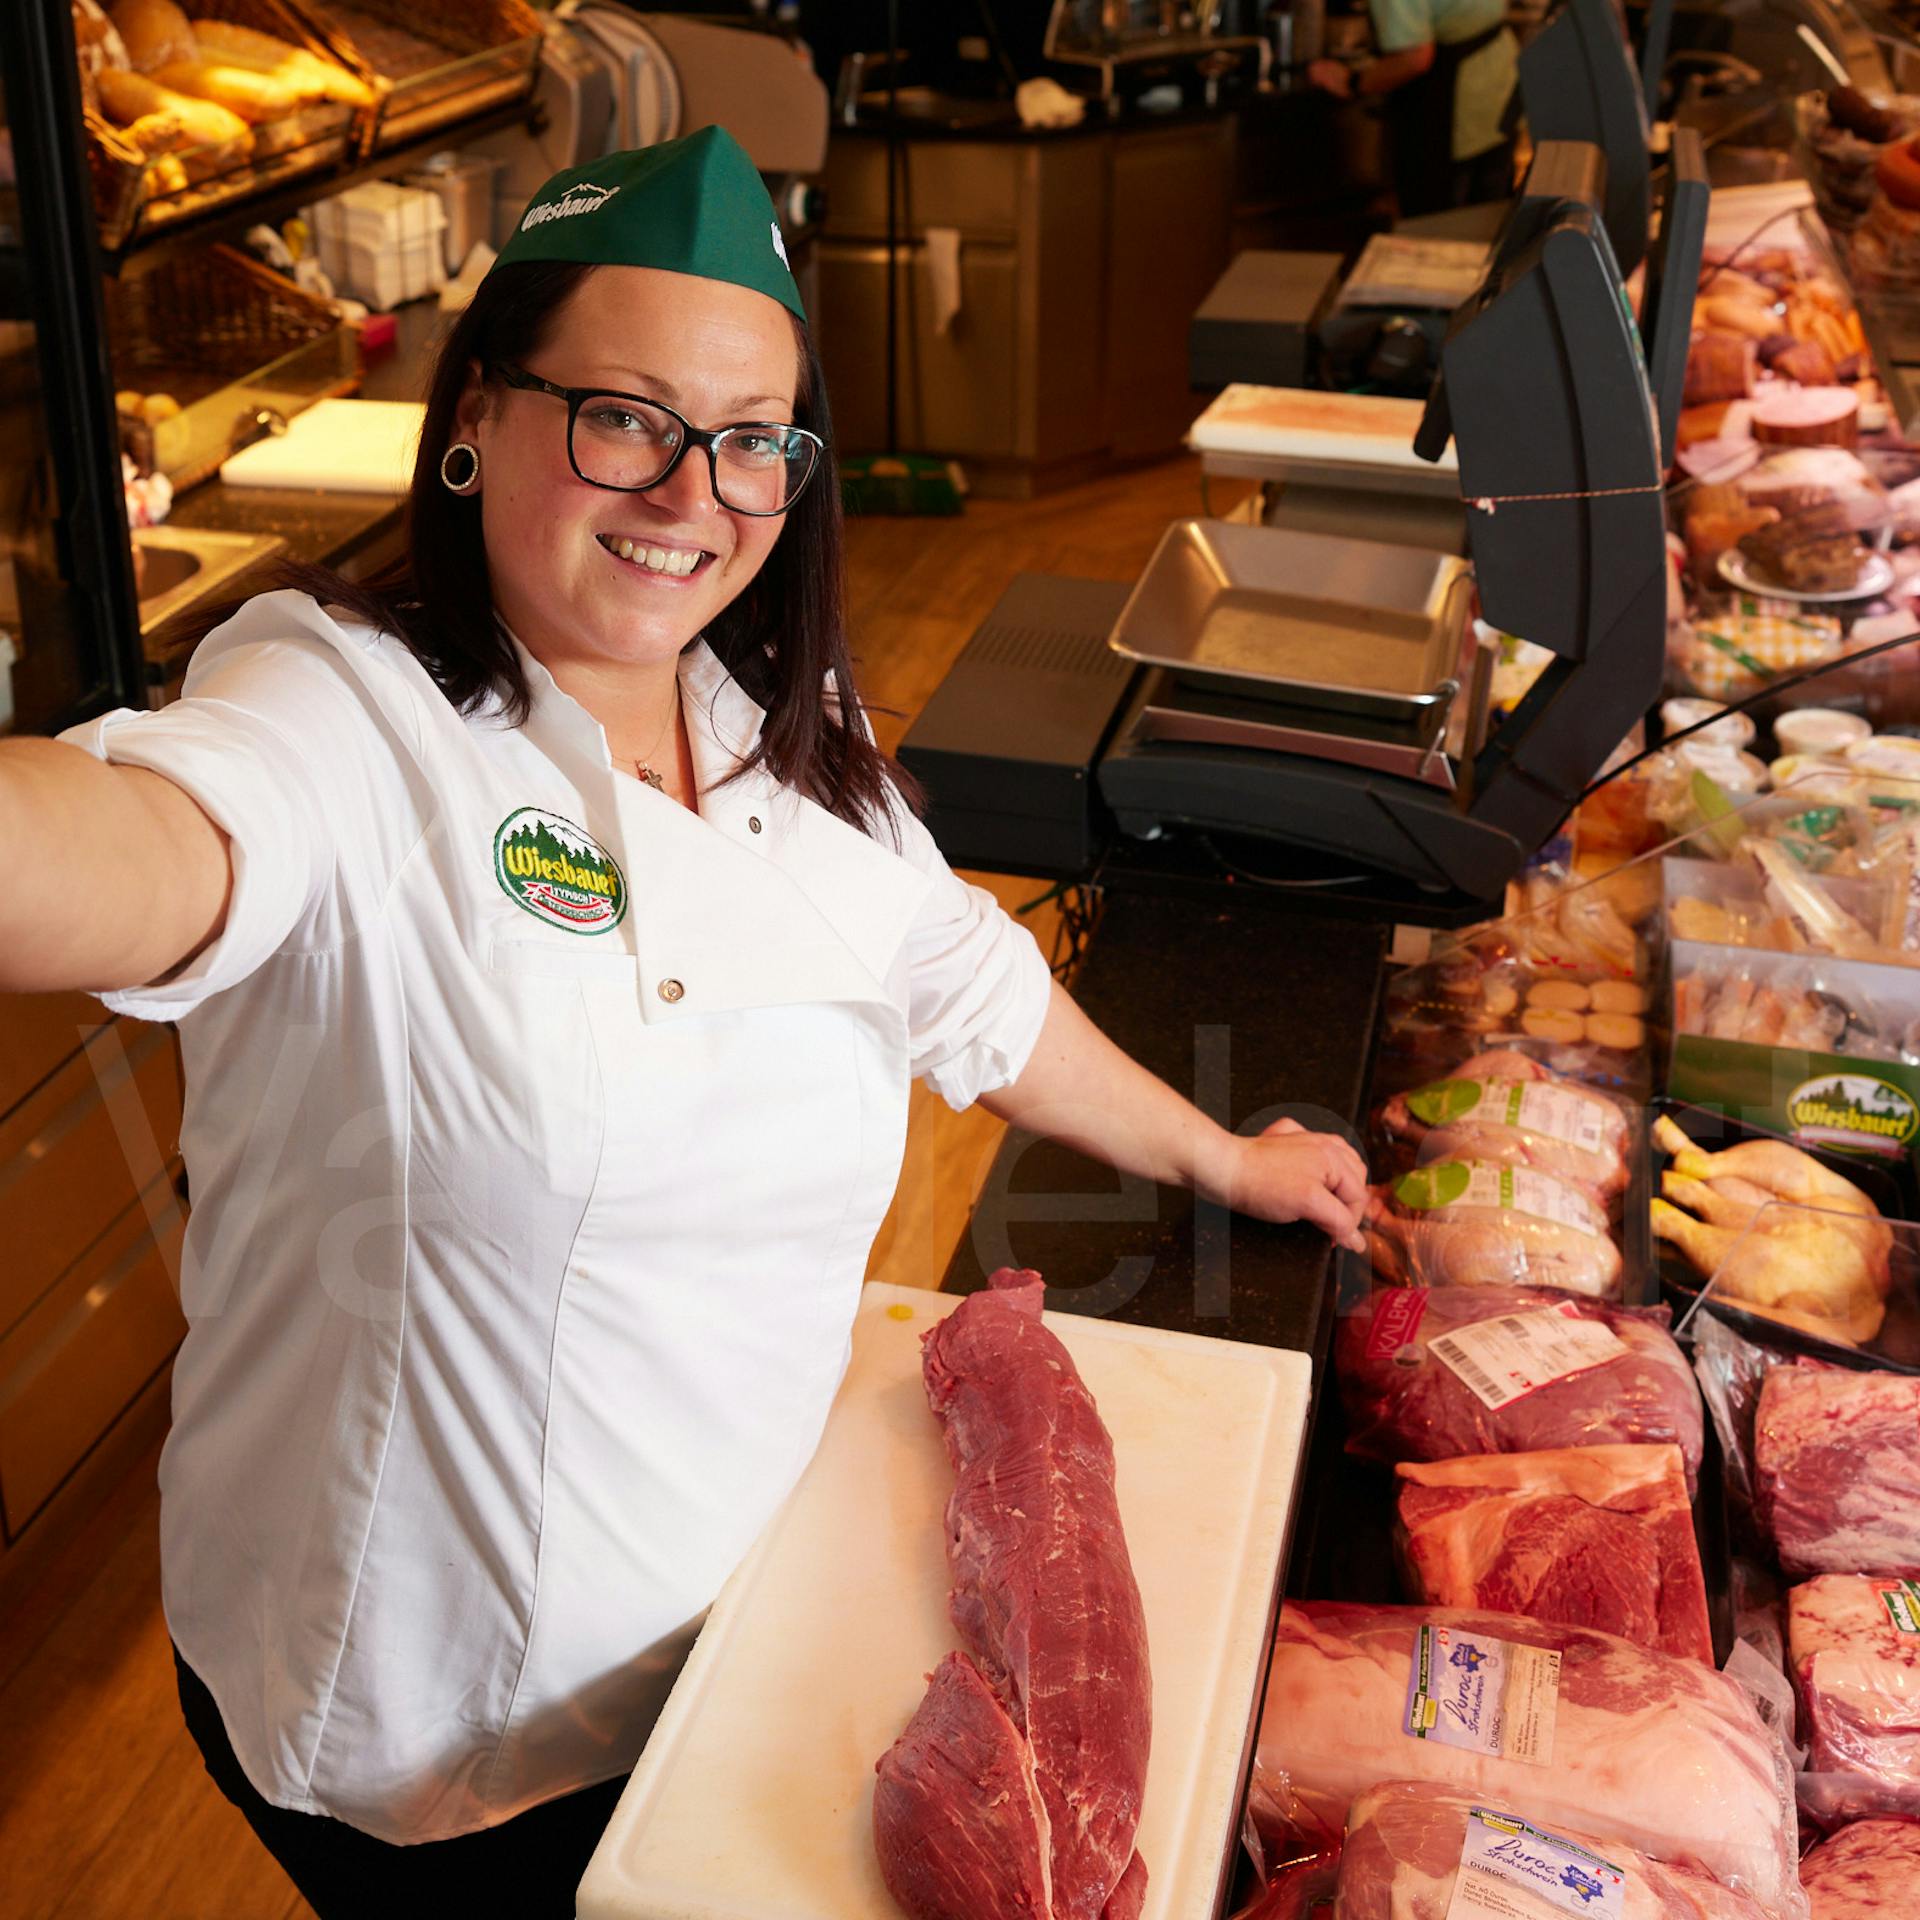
(1449, 78)
(552, 951)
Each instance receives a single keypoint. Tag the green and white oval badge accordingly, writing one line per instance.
(1853, 1110)
(558, 872)
(1443, 1101)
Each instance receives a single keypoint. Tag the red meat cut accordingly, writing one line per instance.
(1403, 1403)
(1855, 1658)
(1582, 1536)
(1836, 1460)
(1867, 1871)
(1016, 1788)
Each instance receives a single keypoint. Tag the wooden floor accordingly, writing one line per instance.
(105, 1810)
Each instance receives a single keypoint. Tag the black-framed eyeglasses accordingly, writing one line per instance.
(628, 443)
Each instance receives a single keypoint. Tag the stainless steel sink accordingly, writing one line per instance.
(180, 565)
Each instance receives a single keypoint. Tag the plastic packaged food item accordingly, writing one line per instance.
(1429, 1374)
(1836, 1466)
(1467, 1223)
(1581, 1728)
(1734, 731)
(1414, 1850)
(1583, 1536)
(1501, 1108)
(1854, 1647)
(1891, 762)
(1865, 1872)
(1819, 730)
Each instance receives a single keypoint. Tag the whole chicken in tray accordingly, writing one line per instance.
(1822, 1262)
(1504, 1109)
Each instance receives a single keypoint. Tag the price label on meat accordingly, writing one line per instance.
(1560, 1113)
(1504, 1360)
(1474, 1183)
(1488, 1696)
(1512, 1871)
(1901, 1598)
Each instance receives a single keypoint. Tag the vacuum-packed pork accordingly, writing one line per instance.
(1853, 1643)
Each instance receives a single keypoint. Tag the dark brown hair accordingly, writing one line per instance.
(783, 639)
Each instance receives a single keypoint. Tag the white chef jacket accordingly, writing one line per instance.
(529, 1224)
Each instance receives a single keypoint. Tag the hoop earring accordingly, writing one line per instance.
(471, 477)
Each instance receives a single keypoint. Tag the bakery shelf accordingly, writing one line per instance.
(230, 219)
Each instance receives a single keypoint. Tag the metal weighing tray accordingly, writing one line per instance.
(1313, 620)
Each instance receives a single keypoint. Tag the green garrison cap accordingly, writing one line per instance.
(690, 206)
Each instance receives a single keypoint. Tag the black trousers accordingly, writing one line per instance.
(527, 1867)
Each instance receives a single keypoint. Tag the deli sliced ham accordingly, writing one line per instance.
(1582, 1728)
(1796, 416)
(1853, 1643)
(1016, 1787)
(1404, 1401)
(1584, 1536)
(1408, 1845)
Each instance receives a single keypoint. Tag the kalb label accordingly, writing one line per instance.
(1475, 1183)
(1511, 1871)
(1397, 1314)
(1901, 1598)
(1501, 1361)
(1557, 1113)
(1483, 1695)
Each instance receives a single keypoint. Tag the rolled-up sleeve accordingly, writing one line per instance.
(272, 743)
(979, 984)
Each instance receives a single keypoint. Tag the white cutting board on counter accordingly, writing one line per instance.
(1294, 423)
(754, 1798)
(338, 446)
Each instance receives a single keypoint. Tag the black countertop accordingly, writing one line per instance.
(1253, 1011)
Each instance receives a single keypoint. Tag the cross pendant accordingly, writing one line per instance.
(652, 779)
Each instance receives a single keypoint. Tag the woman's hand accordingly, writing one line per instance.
(1287, 1173)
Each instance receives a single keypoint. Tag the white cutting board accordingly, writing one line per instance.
(1295, 423)
(753, 1800)
(340, 446)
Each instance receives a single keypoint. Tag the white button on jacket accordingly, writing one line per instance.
(538, 1132)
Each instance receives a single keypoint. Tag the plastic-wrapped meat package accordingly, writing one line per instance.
(1584, 1729)
(1299, 1890)
(1853, 1642)
(1420, 1383)
(1472, 1223)
(1868, 1871)
(1836, 1464)
(1581, 1536)
(1410, 1845)
(1504, 1109)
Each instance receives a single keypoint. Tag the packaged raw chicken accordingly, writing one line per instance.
(1836, 1466)
(1853, 1642)
(1419, 1852)
(1579, 1536)
(1583, 1729)
(1503, 1109)
(1867, 1871)
(1467, 1223)
(1429, 1374)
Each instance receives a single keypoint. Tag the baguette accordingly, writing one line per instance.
(253, 96)
(231, 44)
(129, 98)
(154, 32)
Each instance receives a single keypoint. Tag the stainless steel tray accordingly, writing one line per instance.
(1315, 620)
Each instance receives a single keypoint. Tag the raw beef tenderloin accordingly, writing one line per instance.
(1664, 1753)
(1016, 1787)
(1853, 1644)
(1868, 1871)
(1582, 1536)
(1836, 1461)
(1404, 1403)
(1403, 1848)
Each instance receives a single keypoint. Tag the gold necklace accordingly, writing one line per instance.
(644, 768)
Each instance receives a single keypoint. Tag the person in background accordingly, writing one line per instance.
(1449, 71)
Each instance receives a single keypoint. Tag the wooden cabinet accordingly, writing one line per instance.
(90, 1223)
(1081, 259)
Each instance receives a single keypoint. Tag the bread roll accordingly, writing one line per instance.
(233, 45)
(253, 96)
(155, 32)
(129, 98)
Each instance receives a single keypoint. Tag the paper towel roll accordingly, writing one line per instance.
(943, 270)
